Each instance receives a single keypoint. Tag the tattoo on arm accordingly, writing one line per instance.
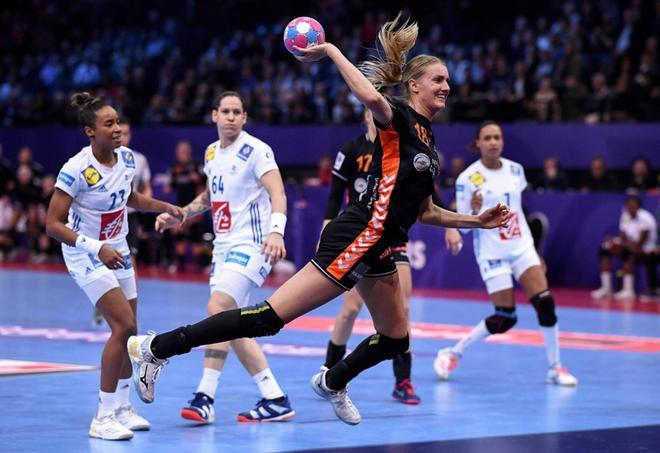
(200, 204)
(215, 354)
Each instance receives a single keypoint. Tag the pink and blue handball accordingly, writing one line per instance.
(303, 32)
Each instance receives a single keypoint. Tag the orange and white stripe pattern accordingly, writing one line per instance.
(389, 139)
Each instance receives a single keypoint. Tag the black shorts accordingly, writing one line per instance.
(400, 252)
(351, 248)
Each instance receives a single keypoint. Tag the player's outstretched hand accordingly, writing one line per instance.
(496, 216)
(111, 257)
(313, 53)
(165, 221)
(273, 248)
(176, 212)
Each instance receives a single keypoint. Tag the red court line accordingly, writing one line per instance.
(564, 297)
(573, 340)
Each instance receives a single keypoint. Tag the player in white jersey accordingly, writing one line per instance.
(246, 197)
(502, 253)
(87, 213)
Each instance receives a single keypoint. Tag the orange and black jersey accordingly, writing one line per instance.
(405, 161)
(350, 171)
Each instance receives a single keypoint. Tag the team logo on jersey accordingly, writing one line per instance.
(103, 188)
(494, 263)
(129, 159)
(210, 154)
(512, 229)
(233, 170)
(360, 185)
(238, 258)
(245, 152)
(65, 178)
(515, 169)
(111, 224)
(477, 179)
(221, 216)
(421, 162)
(339, 160)
(92, 175)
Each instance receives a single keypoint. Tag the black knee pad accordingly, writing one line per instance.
(260, 320)
(502, 320)
(391, 347)
(544, 305)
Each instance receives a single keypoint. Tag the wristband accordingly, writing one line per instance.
(277, 223)
(88, 245)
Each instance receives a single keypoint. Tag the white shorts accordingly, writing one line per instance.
(497, 273)
(246, 260)
(94, 278)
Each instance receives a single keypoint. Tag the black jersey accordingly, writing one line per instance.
(405, 161)
(350, 171)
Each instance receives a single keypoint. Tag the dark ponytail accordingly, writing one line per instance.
(87, 106)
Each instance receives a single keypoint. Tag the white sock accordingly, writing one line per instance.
(629, 283)
(106, 403)
(478, 333)
(123, 391)
(606, 281)
(268, 385)
(209, 383)
(551, 335)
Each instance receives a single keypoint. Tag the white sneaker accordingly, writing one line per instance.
(624, 295)
(108, 428)
(601, 293)
(341, 402)
(559, 375)
(445, 362)
(146, 367)
(129, 418)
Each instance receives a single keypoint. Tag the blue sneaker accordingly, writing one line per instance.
(200, 409)
(275, 410)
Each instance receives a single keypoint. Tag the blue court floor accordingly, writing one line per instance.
(497, 401)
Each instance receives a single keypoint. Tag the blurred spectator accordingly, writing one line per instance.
(46, 247)
(638, 238)
(6, 227)
(25, 158)
(598, 106)
(7, 181)
(573, 99)
(553, 178)
(642, 176)
(599, 179)
(546, 102)
(325, 170)
(187, 181)
(26, 219)
(456, 167)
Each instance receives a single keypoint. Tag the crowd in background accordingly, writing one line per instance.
(163, 61)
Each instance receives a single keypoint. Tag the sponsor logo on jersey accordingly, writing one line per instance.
(512, 229)
(239, 258)
(263, 272)
(245, 152)
(129, 159)
(111, 224)
(421, 162)
(65, 178)
(494, 263)
(221, 216)
(339, 160)
(360, 185)
(209, 154)
(477, 179)
(92, 175)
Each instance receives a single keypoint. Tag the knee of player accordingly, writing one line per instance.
(260, 320)
(124, 328)
(502, 320)
(544, 304)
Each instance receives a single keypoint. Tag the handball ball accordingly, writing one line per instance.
(303, 32)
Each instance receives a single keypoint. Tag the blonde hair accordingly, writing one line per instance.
(393, 68)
